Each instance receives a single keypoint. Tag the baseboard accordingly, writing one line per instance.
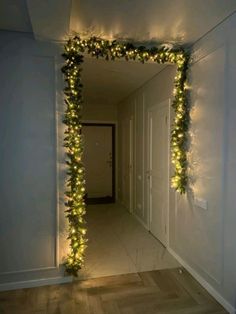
(133, 214)
(140, 220)
(34, 283)
(204, 283)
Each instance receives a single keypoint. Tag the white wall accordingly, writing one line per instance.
(99, 113)
(211, 249)
(32, 225)
(33, 233)
(203, 239)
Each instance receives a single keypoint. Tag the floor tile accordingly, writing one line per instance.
(119, 244)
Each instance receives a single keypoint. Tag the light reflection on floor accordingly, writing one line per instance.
(119, 244)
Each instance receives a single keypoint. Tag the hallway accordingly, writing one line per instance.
(119, 244)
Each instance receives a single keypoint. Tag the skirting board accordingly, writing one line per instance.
(133, 214)
(140, 221)
(34, 283)
(204, 283)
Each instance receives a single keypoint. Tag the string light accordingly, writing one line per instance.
(110, 50)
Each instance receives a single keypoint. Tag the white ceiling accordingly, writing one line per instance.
(182, 21)
(50, 18)
(179, 21)
(109, 82)
(14, 16)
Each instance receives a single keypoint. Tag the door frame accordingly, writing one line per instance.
(164, 103)
(113, 129)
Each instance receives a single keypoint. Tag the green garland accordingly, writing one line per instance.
(111, 50)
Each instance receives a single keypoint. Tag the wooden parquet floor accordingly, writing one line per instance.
(168, 291)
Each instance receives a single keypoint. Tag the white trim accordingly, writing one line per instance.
(28, 270)
(204, 283)
(34, 283)
(140, 221)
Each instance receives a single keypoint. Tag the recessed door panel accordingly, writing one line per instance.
(158, 118)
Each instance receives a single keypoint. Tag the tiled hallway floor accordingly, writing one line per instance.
(119, 244)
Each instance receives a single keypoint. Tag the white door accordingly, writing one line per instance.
(97, 159)
(127, 160)
(131, 159)
(158, 172)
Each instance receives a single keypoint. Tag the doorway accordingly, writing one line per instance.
(158, 170)
(99, 162)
